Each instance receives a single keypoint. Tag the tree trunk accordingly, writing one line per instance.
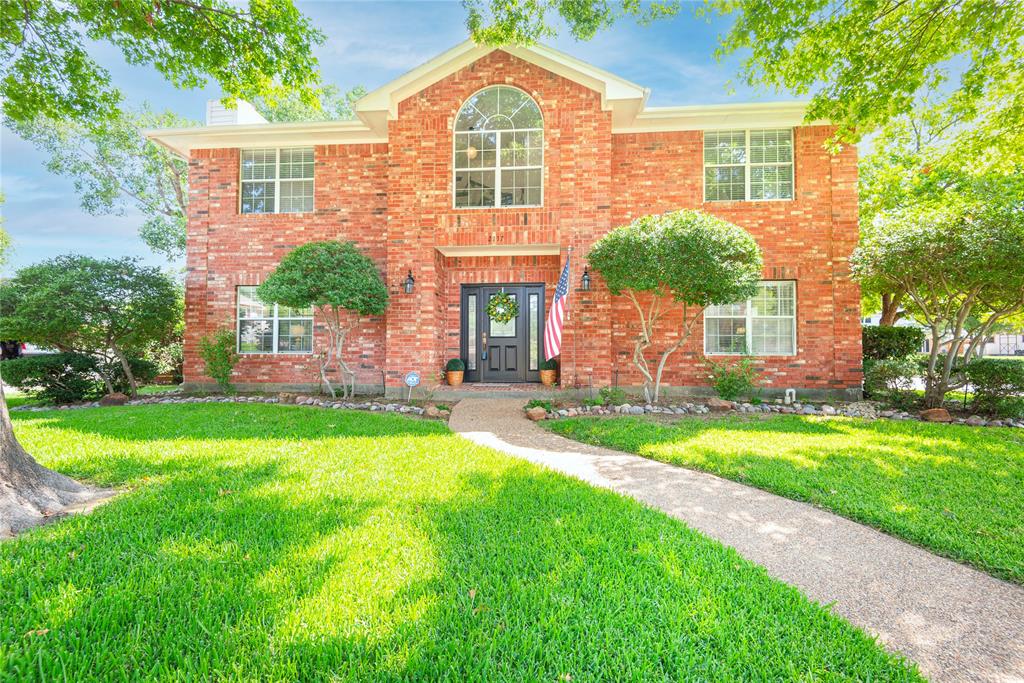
(891, 312)
(30, 494)
(133, 389)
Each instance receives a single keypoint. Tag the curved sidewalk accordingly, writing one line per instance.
(957, 623)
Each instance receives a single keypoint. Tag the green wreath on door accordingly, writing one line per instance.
(502, 308)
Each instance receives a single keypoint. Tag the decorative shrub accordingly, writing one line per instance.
(455, 365)
(549, 364)
(733, 378)
(998, 385)
(55, 378)
(219, 354)
(881, 342)
(890, 377)
(540, 403)
(612, 396)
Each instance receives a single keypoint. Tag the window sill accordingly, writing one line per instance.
(497, 208)
(273, 353)
(749, 201)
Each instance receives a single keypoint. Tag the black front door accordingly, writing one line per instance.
(502, 352)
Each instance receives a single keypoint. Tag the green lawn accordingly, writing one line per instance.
(16, 397)
(286, 543)
(955, 490)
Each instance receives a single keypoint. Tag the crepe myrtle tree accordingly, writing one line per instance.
(961, 266)
(341, 284)
(681, 260)
(107, 308)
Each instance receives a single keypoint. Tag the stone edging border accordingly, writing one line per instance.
(861, 409)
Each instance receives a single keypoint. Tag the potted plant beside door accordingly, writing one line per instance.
(453, 372)
(548, 372)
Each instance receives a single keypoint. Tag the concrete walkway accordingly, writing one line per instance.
(957, 623)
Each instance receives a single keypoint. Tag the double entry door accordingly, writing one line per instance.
(502, 352)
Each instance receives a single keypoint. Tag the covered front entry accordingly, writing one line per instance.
(502, 352)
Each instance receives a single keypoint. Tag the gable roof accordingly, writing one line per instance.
(623, 98)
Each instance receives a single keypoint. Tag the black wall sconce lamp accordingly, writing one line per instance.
(585, 281)
(409, 282)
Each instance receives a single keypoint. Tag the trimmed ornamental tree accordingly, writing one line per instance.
(341, 284)
(961, 265)
(684, 260)
(110, 309)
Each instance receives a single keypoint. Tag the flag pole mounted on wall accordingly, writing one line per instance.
(557, 315)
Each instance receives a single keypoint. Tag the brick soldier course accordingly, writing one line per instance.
(385, 182)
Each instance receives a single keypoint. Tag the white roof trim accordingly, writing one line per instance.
(718, 117)
(181, 141)
(500, 250)
(618, 95)
(624, 99)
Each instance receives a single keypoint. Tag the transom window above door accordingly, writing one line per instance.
(499, 150)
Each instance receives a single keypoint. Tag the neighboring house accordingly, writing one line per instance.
(476, 172)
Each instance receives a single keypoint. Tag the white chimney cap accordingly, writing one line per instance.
(243, 113)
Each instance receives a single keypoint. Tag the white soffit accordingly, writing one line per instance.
(718, 117)
(182, 141)
(500, 250)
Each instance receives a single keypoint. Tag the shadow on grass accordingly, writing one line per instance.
(539, 577)
(165, 580)
(412, 559)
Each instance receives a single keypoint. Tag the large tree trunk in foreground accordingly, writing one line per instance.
(30, 493)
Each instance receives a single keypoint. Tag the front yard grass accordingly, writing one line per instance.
(287, 543)
(952, 489)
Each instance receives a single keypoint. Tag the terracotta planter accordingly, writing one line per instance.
(453, 377)
(548, 377)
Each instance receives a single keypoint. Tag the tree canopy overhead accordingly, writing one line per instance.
(262, 49)
(866, 62)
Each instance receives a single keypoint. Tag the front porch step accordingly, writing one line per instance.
(498, 390)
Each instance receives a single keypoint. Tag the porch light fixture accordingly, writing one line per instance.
(585, 281)
(409, 282)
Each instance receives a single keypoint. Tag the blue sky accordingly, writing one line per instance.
(368, 43)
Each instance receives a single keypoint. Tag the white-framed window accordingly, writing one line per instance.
(277, 180)
(269, 328)
(744, 165)
(498, 150)
(762, 326)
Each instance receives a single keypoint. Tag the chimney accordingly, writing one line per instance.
(243, 114)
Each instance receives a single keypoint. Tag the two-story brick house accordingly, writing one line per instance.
(476, 172)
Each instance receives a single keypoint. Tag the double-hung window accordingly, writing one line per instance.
(762, 326)
(269, 328)
(748, 165)
(277, 180)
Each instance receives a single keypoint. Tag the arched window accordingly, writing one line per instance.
(499, 150)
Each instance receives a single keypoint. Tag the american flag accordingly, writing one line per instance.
(553, 328)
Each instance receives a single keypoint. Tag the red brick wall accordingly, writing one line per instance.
(577, 188)
(227, 249)
(808, 239)
(395, 201)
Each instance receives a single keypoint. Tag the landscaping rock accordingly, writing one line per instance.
(828, 410)
(976, 421)
(536, 413)
(718, 405)
(936, 415)
(636, 410)
(115, 399)
(432, 411)
(808, 410)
